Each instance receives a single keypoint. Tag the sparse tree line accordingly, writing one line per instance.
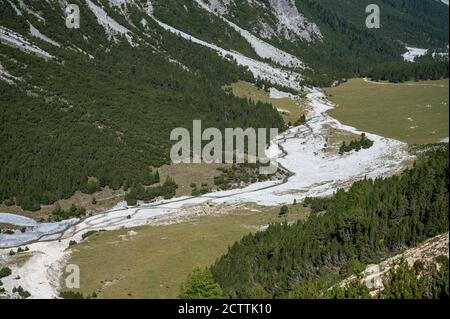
(4, 272)
(424, 69)
(301, 120)
(419, 281)
(403, 282)
(21, 293)
(167, 190)
(199, 190)
(18, 251)
(372, 221)
(266, 85)
(239, 174)
(357, 145)
(59, 214)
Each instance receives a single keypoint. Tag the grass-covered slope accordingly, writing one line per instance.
(161, 257)
(413, 112)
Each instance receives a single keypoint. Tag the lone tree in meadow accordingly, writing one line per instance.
(284, 210)
(200, 285)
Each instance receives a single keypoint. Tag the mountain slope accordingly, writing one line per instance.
(136, 69)
(98, 109)
(373, 220)
(329, 37)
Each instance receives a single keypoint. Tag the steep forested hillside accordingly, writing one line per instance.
(337, 42)
(186, 15)
(349, 47)
(420, 23)
(416, 22)
(74, 119)
(371, 221)
(94, 106)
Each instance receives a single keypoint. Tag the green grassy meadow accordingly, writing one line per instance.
(413, 112)
(248, 90)
(155, 261)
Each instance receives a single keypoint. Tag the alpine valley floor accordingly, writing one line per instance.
(194, 230)
(301, 150)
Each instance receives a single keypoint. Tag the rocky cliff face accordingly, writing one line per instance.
(291, 23)
(282, 18)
